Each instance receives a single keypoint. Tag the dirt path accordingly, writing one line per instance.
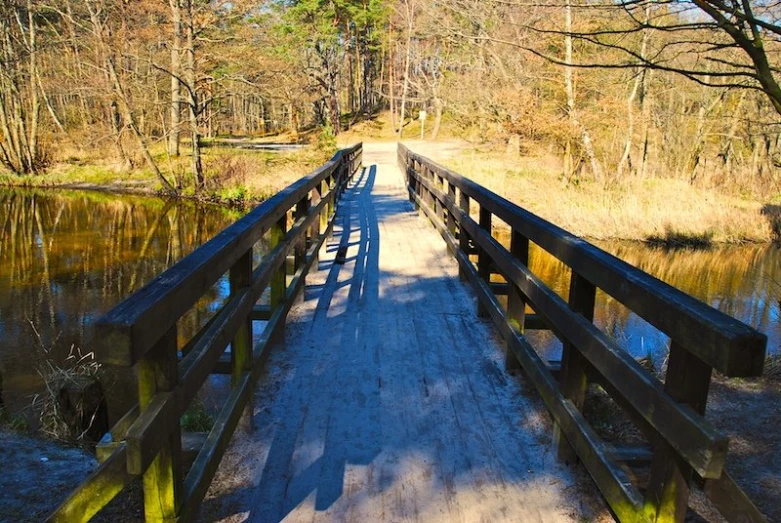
(388, 401)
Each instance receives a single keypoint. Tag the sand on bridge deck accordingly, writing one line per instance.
(388, 400)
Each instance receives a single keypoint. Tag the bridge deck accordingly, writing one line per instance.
(388, 401)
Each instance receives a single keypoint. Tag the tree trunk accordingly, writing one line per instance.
(437, 118)
(588, 146)
(407, 57)
(176, 74)
(195, 134)
(390, 78)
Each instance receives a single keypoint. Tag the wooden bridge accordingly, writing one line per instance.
(386, 398)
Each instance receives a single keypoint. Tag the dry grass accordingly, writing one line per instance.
(633, 209)
(232, 175)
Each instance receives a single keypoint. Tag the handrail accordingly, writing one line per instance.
(670, 415)
(141, 331)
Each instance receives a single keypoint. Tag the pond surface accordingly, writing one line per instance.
(743, 281)
(66, 257)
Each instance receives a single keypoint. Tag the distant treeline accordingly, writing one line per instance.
(617, 89)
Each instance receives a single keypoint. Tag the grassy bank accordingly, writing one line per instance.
(232, 175)
(658, 210)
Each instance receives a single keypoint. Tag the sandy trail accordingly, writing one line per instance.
(388, 401)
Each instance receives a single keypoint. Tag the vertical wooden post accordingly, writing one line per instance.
(573, 377)
(483, 261)
(322, 191)
(240, 277)
(302, 209)
(279, 280)
(329, 181)
(687, 381)
(443, 207)
(451, 217)
(516, 304)
(463, 237)
(434, 200)
(157, 372)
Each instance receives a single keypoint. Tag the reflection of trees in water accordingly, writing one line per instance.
(67, 258)
(743, 281)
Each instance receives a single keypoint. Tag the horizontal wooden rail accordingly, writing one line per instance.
(670, 415)
(141, 331)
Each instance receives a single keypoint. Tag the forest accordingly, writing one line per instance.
(615, 89)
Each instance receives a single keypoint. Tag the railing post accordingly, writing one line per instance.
(573, 377)
(412, 188)
(443, 207)
(157, 372)
(302, 209)
(329, 181)
(451, 217)
(687, 381)
(434, 200)
(322, 191)
(516, 304)
(483, 261)
(463, 237)
(279, 280)
(241, 346)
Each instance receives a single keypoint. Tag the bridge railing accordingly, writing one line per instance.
(670, 415)
(141, 332)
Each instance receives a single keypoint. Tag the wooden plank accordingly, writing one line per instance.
(260, 313)
(631, 453)
(728, 345)
(130, 329)
(731, 501)
(105, 482)
(535, 322)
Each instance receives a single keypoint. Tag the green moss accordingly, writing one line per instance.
(196, 418)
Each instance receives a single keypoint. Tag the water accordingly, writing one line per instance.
(68, 257)
(742, 281)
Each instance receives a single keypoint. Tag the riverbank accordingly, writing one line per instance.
(234, 176)
(661, 211)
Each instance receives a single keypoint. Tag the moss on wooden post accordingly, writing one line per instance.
(241, 345)
(279, 280)
(687, 381)
(157, 372)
